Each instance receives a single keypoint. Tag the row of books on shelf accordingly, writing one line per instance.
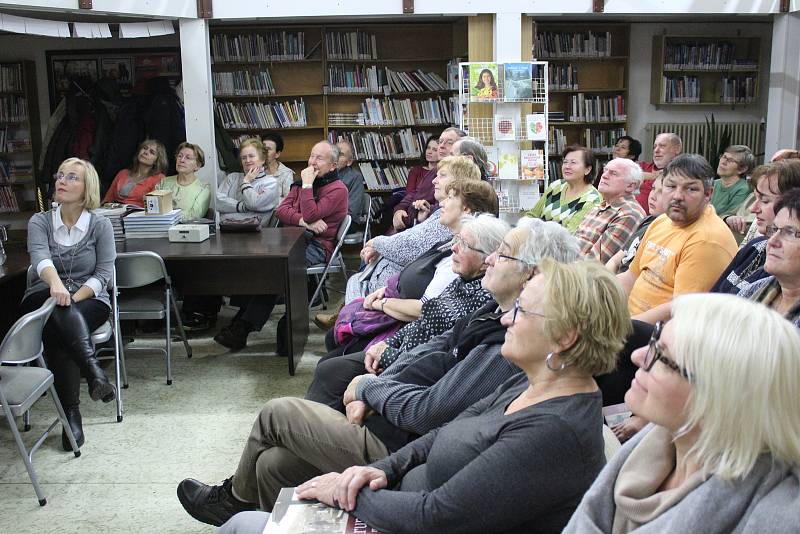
(351, 45)
(401, 144)
(736, 89)
(515, 164)
(343, 78)
(700, 56)
(11, 77)
(16, 141)
(562, 77)
(8, 200)
(503, 82)
(13, 109)
(680, 89)
(16, 171)
(262, 115)
(587, 108)
(402, 112)
(264, 46)
(599, 141)
(414, 81)
(243, 83)
(379, 177)
(569, 44)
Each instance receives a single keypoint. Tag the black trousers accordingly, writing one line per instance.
(615, 384)
(331, 378)
(66, 325)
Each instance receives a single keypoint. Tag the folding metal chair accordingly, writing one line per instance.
(335, 264)
(139, 269)
(21, 386)
(365, 218)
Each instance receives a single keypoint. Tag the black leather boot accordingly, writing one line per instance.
(76, 424)
(82, 352)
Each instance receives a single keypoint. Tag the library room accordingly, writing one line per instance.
(397, 266)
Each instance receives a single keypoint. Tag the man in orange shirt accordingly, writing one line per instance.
(683, 251)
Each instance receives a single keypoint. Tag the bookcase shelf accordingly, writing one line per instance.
(705, 71)
(20, 140)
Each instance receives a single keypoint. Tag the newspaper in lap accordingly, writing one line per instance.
(290, 515)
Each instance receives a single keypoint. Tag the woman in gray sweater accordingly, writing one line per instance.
(72, 252)
(721, 385)
(520, 459)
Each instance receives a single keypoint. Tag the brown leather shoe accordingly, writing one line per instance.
(325, 321)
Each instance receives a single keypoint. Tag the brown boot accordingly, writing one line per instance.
(325, 321)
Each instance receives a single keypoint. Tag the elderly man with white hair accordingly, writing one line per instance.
(606, 229)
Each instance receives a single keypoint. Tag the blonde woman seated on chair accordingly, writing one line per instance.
(73, 252)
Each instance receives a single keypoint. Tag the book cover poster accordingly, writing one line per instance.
(483, 80)
(517, 81)
(536, 127)
(504, 128)
(492, 162)
(509, 166)
(528, 196)
(532, 164)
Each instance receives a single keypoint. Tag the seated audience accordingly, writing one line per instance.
(684, 252)
(620, 262)
(568, 200)
(189, 194)
(447, 139)
(731, 189)
(722, 453)
(607, 227)
(146, 170)
(73, 252)
(771, 181)
(318, 203)
(419, 187)
(627, 147)
(473, 149)
(351, 178)
(387, 255)
(252, 194)
(437, 285)
(273, 147)
(520, 459)
(666, 147)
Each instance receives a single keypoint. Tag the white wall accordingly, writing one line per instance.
(641, 112)
(14, 47)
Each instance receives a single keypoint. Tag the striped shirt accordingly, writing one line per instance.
(554, 206)
(608, 226)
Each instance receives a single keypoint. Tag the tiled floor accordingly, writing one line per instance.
(126, 478)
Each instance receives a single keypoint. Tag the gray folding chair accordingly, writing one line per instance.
(365, 218)
(334, 265)
(139, 269)
(21, 386)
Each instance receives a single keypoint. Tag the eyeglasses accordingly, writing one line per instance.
(185, 157)
(70, 177)
(787, 232)
(459, 241)
(654, 353)
(519, 309)
(728, 159)
(446, 142)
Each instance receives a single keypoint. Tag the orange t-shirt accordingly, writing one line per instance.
(673, 260)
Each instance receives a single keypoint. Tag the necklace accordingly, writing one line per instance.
(69, 283)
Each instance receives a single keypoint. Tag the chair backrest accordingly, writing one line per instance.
(366, 207)
(137, 269)
(23, 342)
(344, 227)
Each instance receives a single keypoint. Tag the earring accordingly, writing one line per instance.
(548, 363)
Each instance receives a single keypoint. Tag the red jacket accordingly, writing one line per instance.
(136, 196)
(327, 200)
(646, 185)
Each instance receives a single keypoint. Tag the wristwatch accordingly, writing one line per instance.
(307, 186)
(383, 303)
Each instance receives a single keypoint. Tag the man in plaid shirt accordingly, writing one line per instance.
(608, 226)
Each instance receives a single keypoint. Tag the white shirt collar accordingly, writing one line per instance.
(63, 235)
(82, 224)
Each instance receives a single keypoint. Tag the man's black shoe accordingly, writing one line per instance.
(213, 505)
(234, 336)
(197, 322)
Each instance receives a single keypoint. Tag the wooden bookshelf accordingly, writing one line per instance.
(705, 70)
(600, 71)
(20, 141)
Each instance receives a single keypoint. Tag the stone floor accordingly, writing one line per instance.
(125, 479)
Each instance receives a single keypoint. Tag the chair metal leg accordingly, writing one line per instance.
(24, 453)
(180, 326)
(118, 373)
(319, 287)
(63, 418)
(26, 421)
(168, 336)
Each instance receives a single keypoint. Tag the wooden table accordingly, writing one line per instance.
(272, 261)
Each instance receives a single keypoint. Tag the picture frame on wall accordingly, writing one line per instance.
(78, 72)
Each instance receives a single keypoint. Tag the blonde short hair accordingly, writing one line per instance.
(91, 182)
(583, 297)
(460, 167)
(255, 143)
(744, 360)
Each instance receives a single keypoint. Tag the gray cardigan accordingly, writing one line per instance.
(767, 500)
(94, 254)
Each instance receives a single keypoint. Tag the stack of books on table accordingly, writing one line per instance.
(114, 214)
(139, 224)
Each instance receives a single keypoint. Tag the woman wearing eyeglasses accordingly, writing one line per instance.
(723, 453)
(146, 170)
(72, 252)
(189, 194)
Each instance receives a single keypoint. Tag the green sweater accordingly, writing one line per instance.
(192, 199)
(553, 207)
(726, 200)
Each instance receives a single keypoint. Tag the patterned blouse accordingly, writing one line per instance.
(553, 205)
(459, 298)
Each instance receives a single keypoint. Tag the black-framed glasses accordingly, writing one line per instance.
(654, 353)
(458, 240)
(69, 177)
(519, 309)
(786, 232)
